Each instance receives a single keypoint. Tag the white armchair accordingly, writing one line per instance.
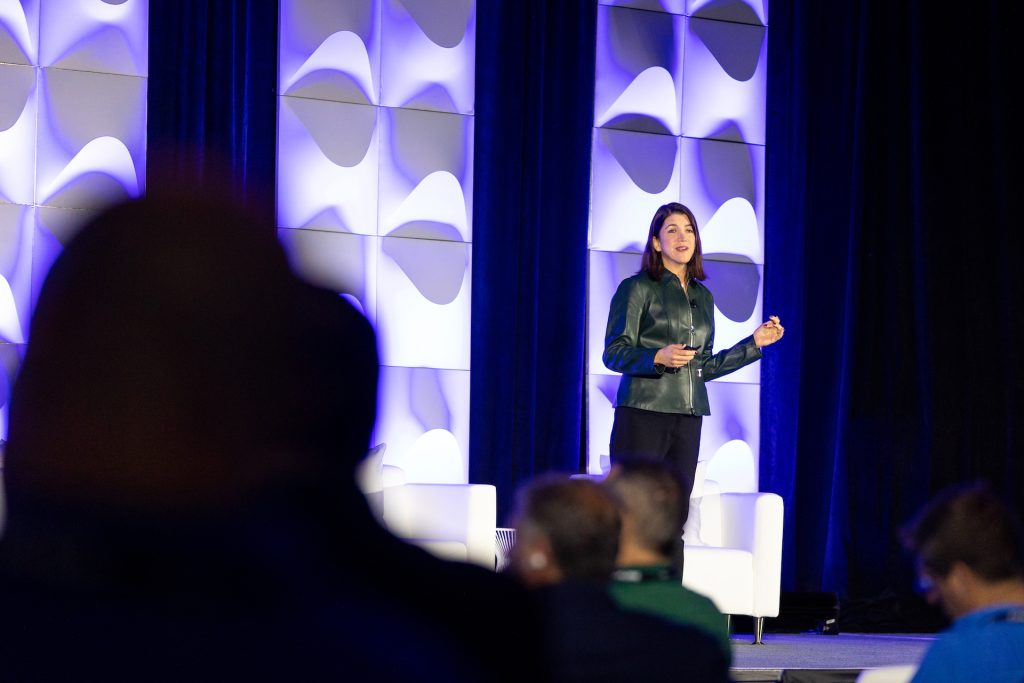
(451, 521)
(733, 550)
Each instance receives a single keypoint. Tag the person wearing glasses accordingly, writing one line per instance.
(970, 558)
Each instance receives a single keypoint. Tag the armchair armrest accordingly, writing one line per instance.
(753, 522)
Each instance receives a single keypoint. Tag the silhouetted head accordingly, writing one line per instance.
(177, 367)
(566, 530)
(964, 538)
(653, 502)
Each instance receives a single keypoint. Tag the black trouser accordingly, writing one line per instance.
(659, 436)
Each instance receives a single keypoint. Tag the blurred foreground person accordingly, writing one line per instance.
(651, 498)
(181, 499)
(970, 555)
(567, 538)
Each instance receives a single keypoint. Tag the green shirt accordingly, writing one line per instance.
(659, 590)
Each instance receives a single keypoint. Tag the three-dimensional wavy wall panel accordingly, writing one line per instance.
(374, 197)
(73, 77)
(679, 114)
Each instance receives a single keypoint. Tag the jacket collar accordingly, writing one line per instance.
(667, 276)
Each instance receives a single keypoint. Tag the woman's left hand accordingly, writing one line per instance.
(769, 332)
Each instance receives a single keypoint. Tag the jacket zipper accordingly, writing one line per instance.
(689, 371)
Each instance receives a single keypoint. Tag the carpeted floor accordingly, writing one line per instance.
(847, 651)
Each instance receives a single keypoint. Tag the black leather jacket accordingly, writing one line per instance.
(645, 316)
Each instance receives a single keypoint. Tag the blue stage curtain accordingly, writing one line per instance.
(531, 194)
(212, 98)
(893, 180)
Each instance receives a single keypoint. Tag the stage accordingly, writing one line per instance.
(822, 658)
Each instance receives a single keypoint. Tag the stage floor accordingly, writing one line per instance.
(846, 652)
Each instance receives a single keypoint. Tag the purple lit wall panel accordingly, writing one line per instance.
(19, 32)
(423, 303)
(426, 175)
(330, 50)
(54, 227)
(18, 109)
(607, 270)
(639, 70)
(423, 417)
(327, 161)
(72, 137)
(633, 174)
(16, 226)
(92, 137)
(671, 6)
(708, 71)
(428, 55)
(723, 183)
(737, 291)
(740, 11)
(730, 436)
(11, 356)
(600, 416)
(337, 261)
(94, 35)
(724, 81)
(374, 195)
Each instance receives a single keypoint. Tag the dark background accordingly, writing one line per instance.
(894, 172)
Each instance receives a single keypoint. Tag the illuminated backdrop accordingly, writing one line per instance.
(375, 187)
(679, 114)
(375, 176)
(72, 139)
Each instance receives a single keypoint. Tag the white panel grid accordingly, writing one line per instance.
(742, 12)
(428, 55)
(103, 37)
(341, 262)
(330, 50)
(427, 430)
(375, 197)
(92, 137)
(18, 120)
(16, 227)
(708, 153)
(725, 75)
(633, 174)
(19, 32)
(328, 165)
(73, 81)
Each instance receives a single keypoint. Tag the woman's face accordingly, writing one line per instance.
(676, 241)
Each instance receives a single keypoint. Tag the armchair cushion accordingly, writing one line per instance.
(436, 516)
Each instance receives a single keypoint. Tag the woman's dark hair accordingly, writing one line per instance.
(652, 263)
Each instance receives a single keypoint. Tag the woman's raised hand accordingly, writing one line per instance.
(769, 332)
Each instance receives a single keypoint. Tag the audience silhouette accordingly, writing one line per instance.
(179, 471)
(567, 538)
(970, 556)
(653, 501)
